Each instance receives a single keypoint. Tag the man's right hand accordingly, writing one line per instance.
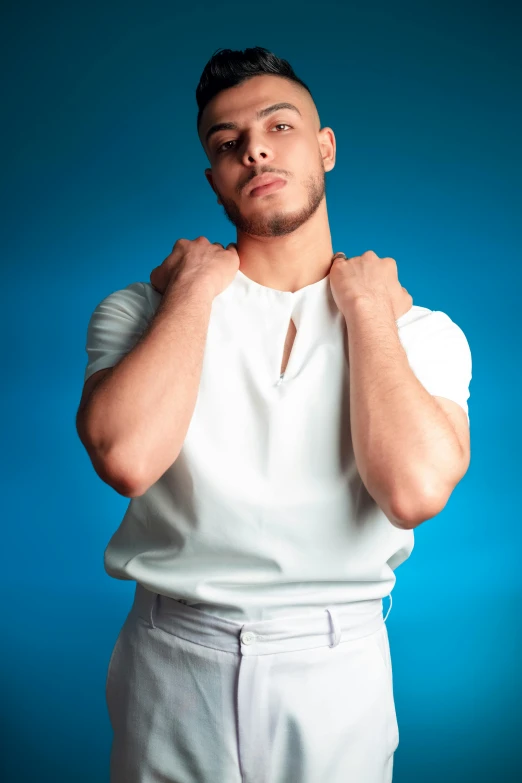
(197, 260)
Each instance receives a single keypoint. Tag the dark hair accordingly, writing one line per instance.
(228, 67)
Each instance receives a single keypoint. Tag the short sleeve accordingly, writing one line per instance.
(440, 356)
(115, 327)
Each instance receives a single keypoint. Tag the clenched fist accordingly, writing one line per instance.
(208, 263)
(368, 277)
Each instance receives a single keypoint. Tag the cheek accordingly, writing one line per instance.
(226, 175)
(302, 159)
(228, 189)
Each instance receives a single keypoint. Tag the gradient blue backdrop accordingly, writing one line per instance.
(102, 172)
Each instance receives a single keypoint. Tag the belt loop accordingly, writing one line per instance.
(153, 602)
(390, 606)
(336, 628)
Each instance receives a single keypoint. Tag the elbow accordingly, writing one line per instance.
(125, 478)
(405, 510)
(111, 472)
(128, 479)
(411, 511)
(119, 465)
(123, 483)
(109, 466)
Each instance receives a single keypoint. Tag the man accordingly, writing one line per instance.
(282, 418)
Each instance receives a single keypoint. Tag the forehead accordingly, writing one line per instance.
(241, 102)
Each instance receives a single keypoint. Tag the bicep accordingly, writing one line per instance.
(458, 419)
(88, 388)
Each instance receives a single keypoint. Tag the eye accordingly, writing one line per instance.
(220, 148)
(224, 148)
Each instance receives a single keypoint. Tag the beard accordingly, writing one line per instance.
(278, 223)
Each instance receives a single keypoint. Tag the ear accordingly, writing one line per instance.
(208, 175)
(327, 144)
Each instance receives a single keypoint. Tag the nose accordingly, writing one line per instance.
(255, 150)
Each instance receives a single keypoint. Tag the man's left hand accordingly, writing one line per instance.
(370, 278)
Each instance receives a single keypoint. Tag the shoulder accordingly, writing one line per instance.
(133, 293)
(136, 299)
(420, 324)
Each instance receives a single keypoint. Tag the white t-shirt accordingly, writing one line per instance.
(264, 513)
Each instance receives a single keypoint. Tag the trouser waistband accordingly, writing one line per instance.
(326, 627)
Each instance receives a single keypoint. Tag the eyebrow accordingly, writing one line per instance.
(259, 116)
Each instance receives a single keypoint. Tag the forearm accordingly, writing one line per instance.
(139, 414)
(399, 433)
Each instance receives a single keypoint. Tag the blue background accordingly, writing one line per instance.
(102, 172)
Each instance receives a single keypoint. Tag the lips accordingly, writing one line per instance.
(263, 180)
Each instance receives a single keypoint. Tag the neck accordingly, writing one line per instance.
(290, 262)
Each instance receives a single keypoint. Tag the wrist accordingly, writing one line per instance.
(190, 283)
(366, 303)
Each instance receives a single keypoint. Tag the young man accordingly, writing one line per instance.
(281, 418)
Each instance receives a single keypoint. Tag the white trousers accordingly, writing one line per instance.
(194, 698)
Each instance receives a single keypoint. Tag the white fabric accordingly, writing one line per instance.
(264, 513)
(194, 698)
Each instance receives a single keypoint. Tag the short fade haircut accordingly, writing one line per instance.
(228, 67)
